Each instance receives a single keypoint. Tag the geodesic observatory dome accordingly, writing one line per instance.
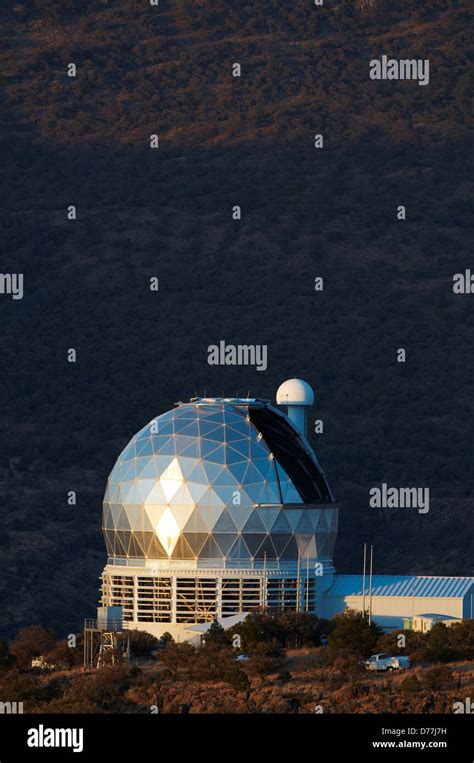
(215, 508)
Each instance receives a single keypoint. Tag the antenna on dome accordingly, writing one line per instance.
(297, 396)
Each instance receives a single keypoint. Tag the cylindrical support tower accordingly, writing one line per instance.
(297, 396)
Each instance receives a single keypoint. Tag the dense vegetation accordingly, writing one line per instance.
(167, 213)
(284, 669)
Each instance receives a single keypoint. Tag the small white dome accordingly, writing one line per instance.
(295, 392)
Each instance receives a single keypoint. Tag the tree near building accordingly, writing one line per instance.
(216, 635)
(64, 656)
(414, 641)
(352, 634)
(30, 642)
(142, 645)
(461, 639)
(437, 648)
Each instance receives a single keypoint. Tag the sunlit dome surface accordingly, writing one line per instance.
(217, 479)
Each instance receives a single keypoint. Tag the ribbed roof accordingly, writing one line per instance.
(435, 616)
(402, 585)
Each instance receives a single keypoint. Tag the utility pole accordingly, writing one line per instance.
(307, 583)
(265, 581)
(298, 584)
(363, 580)
(370, 584)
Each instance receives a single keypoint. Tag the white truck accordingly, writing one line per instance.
(385, 662)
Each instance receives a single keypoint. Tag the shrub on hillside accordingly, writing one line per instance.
(30, 642)
(352, 635)
(142, 645)
(461, 639)
(410, 685)
(437, 678)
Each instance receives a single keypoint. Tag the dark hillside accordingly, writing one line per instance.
(227, 141)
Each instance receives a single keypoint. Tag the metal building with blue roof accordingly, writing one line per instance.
(395, 598)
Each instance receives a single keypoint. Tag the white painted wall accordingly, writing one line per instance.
(389, 611)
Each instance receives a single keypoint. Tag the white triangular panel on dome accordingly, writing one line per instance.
(187, 466)
(197, 490)
(154, 514)
(182, 496)
(115, 514)
(212, 470)
(112, 492)
(212, 498)
(156, 496)
(130, 472)
(145, 447)
(195, 524)
(170, 488)
(182, 442)
(128, 492)
(150, 470)
(140, 464)
(173, 471)
(210, 515)
(144, 488)
(182, 514)
(118, 471)
(134, 515)
(163, 463)
(167, 531)
(146, 522)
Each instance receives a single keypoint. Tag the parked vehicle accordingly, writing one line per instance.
(386, 662)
